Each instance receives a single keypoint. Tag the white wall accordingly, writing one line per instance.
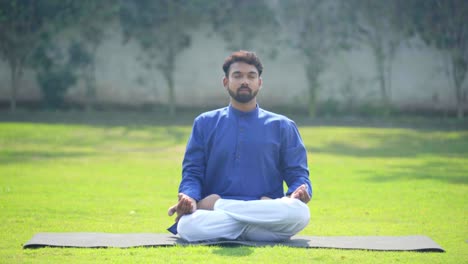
(418, 79)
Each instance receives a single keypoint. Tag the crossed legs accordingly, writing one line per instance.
(259, 220)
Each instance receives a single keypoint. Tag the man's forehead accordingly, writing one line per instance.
(242, 67)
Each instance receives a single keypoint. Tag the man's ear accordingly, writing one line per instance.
(225, 82)
(260, 83)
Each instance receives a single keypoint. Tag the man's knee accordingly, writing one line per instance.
(297, 212)
(187, 230)
(208, 225)
(296, 218)
(183, 228)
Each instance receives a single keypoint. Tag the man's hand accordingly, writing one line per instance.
(186, 205)
(301, 194)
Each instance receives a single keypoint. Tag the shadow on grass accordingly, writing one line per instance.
(405, 145)
(50, 144)
(8, 157)
(233, 251)
(437, 171)
(185, 117)
(107, 139)
(99, 118)
(179, 135)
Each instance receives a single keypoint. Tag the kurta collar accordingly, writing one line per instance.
(239, 113)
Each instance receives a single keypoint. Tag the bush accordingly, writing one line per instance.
(54, 84)
(55, 70)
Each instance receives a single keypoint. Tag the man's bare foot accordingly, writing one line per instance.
(186, 205)
(208, 202)
(301, 194)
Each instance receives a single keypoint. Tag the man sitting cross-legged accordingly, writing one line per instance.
(235, 164)
(266, 219)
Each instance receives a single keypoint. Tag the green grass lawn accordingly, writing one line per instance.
(120, 178)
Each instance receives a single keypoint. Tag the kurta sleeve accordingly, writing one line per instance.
(294, 159)
(193, 165)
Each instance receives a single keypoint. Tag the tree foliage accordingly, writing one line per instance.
(242, 23)
(442, 24)
(378, 24)
(23, 25)
(163, 30)
(55, 73)
(315, 29)
(92, 23)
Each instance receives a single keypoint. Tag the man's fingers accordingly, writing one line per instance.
(180, 196)
(183, 207)
(306, 197)
(171, 210)
(301, 194)
(186, 205)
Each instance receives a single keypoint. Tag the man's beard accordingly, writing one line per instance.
(242, 97)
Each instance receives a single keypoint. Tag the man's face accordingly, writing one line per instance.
(243, 82)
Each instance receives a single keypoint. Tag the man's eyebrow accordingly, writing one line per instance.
(250, 72)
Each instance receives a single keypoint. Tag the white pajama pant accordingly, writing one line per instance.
(259, 220)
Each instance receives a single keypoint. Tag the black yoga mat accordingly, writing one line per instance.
(99, 240)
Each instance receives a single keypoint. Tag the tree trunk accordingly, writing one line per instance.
(171, 57)
(90, 79)
(460, 114)
(459, 99)
(15, 76)
(312, 101)
(458, 77)
(389, 76)
(381, 71)
(383, 88)
(168, 72)
(458, 73)
(172, 99)
(91, 84)
(312, 77)
(389, 68)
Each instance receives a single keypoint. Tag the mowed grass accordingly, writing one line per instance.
(122, 178)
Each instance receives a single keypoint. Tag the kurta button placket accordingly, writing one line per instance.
(240, 137)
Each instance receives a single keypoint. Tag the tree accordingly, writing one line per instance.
(315, 29)
(163, 30)
(377, 24)
(92, 20)
(55, 72)
(442, 24)
(23, 24)
(243, 22)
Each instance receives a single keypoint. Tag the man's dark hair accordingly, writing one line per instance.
(243, 56)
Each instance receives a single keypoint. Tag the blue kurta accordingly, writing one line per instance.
(243, 155)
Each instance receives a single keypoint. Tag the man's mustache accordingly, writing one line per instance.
(244, 87)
